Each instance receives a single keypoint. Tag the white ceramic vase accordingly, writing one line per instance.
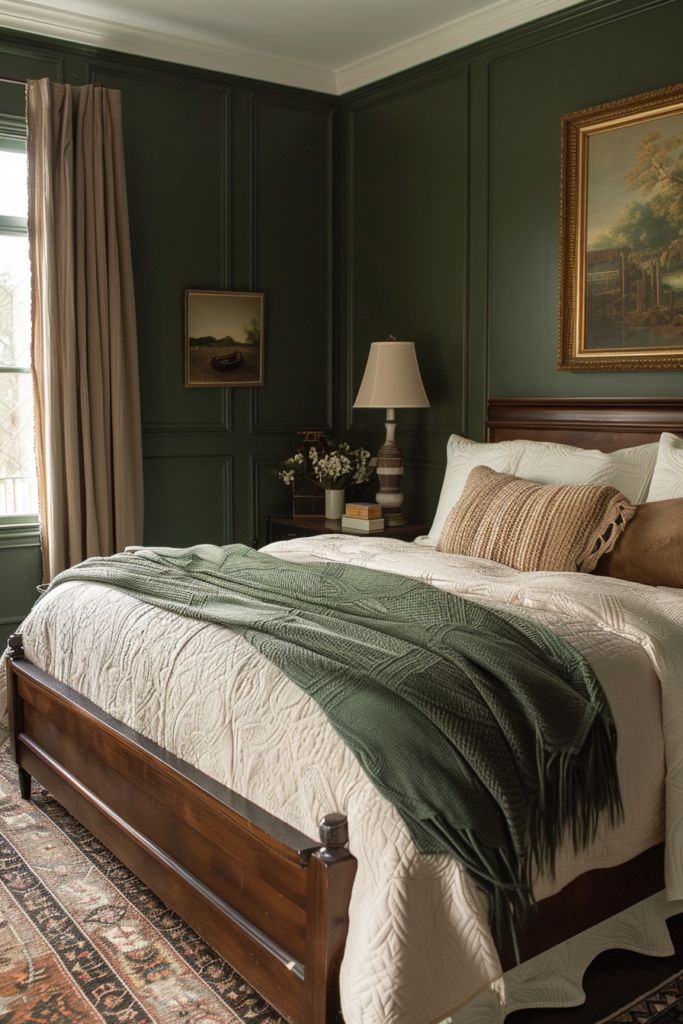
(334, 503)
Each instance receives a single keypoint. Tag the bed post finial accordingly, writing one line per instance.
(330, 874)
(15, 645)
(334, 835)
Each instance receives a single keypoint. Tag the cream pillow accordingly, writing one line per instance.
(667, 480)
(544, 462)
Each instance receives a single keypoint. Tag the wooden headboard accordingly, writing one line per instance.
(603, 423)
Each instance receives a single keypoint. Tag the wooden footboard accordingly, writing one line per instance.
(270, 900)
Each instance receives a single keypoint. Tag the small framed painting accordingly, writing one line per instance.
(223, 339)
(621, 235)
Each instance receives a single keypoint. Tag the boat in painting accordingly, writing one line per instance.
(228, 362)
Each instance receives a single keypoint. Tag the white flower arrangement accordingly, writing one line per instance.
(294, 466)
(340, 466)
(334, 469)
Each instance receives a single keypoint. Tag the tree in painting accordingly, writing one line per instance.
(658, 174)
(252, 332)
(634, 271)
(638, 227)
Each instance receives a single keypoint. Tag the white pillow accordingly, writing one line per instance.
(667, 480)
(629, 469)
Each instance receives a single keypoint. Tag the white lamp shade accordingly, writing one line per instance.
(392, 378)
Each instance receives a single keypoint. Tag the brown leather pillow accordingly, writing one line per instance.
(650, 550)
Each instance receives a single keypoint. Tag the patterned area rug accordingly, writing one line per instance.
(83, 941)
(663, 1005)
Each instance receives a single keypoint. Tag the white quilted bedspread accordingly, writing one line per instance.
(419, 942)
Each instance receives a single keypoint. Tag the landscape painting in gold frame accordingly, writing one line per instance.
(621, 235)
(223, 339)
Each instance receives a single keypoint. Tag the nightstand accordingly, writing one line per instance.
(288, 527)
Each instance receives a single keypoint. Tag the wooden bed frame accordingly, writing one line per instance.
(270, 900)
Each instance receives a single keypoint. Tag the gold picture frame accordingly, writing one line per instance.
(223, 339)
(621, 235)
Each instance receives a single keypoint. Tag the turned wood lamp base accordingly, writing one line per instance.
(389, 469)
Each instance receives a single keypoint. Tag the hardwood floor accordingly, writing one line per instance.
(612, 981)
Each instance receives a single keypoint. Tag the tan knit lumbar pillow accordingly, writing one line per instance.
(532, 526)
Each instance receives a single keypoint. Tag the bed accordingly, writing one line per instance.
(271, 900)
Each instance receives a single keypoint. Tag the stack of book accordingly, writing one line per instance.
(362, 517)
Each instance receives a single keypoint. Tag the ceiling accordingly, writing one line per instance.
(329, 45)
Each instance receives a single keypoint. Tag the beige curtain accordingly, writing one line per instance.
(85, 367)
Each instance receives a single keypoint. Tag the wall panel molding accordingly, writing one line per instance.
(254, 194)
(222, 426)
(414, 80)
(17, 55)
(260, 464)
(395, 94)
(583, 18)
(477, 364)
(196, 94)
(187, 466)
(226, 191)
(260, 102)
(12, 620)
(346, 328)
(524, 182)
(121, 64)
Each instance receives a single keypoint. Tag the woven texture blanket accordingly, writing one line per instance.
(489, 734)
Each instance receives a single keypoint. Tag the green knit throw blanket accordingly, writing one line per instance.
(489, 734)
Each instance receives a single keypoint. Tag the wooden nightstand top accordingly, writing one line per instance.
(288, 527)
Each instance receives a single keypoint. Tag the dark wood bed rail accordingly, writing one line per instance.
(271, 901)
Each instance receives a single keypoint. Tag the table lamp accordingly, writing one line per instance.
(391, 381)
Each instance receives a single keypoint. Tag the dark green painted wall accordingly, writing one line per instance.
(405, 194)
(452, 215)
(230, 186)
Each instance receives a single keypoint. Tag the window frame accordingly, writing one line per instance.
(15, 530)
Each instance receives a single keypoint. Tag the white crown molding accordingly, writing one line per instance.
(150, 41)
(454, 35)
(42, 19)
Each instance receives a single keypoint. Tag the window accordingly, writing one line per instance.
(18, 491)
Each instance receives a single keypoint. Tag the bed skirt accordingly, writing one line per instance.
(554, 979)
